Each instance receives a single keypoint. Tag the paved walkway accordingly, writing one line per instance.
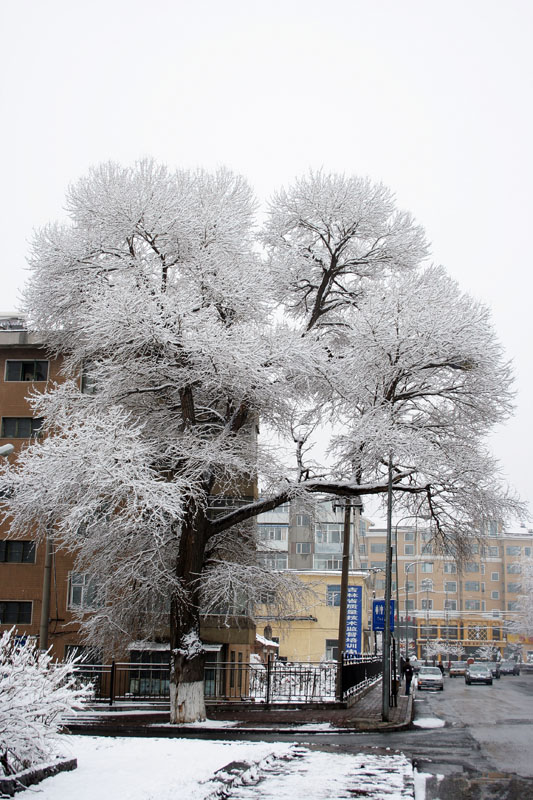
(364, 715)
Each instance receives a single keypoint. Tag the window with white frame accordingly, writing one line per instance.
(514, 588)
(493, 551)
(409, 536)
(426, 566)
(471, 566)
(409, 549)
(82, 591)
(303, 548)
(332, 649)
(272, 533)
(450, 568)
(427, 604)
(450, 605)
(512, 606)
(378, 547)
(333, 594)
(513, 550)
(273, 560)
(471, 586)
(324, 562)
(328, 533)
(494, 595)
(495, 576)
(472, 605)
(514, 569)
(303, 520)
(450, 586)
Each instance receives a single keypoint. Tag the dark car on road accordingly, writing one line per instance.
(509, 668)
(478, 673)
(494, 667)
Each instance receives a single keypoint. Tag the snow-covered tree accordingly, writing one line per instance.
(35, 696)
(188, 338)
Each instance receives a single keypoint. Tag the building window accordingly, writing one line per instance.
(20, 427)
(377, 565)
(409, 536)
(410, 605)
(362, 549)
(514, 569)
(472, 605)
(494, 595)
(450, 605)
(427, 604)
(495, 576)
(527, 551)
(512, 606)
(471, 566)
(409, 549)
(82, 591)
(333, 595)
(302, 520)
(324, 562)
(450, 586)
(17, 552)
(273, 560)
(272, 533)
(427, 549)
(450, 568)
(471, 586)
(26, 370)
(14, 612)
(329, 533)
(332, 649)
(493, 552)
(513, 550)
(514, 587)
(426, 566)
(378, 547)
(303, 548)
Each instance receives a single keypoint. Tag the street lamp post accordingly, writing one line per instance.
(407, 568)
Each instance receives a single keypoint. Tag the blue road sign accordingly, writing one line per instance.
(378, 615)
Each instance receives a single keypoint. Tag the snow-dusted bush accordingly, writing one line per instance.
(35, 695)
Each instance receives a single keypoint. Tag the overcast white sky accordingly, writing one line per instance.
(434, 98)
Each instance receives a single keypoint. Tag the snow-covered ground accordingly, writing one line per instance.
(164, 769)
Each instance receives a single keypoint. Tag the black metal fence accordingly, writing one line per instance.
(359, 672)
(274, 682)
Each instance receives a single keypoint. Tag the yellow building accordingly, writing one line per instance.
(311, 633)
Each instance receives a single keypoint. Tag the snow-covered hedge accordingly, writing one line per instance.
(35, 695)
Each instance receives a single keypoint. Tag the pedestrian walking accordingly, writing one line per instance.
(408, 677)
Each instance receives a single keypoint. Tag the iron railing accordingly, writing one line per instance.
(273, 682)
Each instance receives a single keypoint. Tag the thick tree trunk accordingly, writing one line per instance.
(187, 657)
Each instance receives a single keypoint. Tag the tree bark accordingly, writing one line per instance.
(187, 657)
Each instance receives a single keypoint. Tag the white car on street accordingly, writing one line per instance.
(430, 678)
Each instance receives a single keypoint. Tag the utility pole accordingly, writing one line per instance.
(386, 686)
(356, 504)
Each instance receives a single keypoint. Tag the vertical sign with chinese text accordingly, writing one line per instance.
(353, 620)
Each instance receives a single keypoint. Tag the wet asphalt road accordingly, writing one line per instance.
(484, 749)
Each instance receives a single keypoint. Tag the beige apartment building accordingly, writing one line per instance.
(439, 601)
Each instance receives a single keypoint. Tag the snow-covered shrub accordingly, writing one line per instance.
(35, 695)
